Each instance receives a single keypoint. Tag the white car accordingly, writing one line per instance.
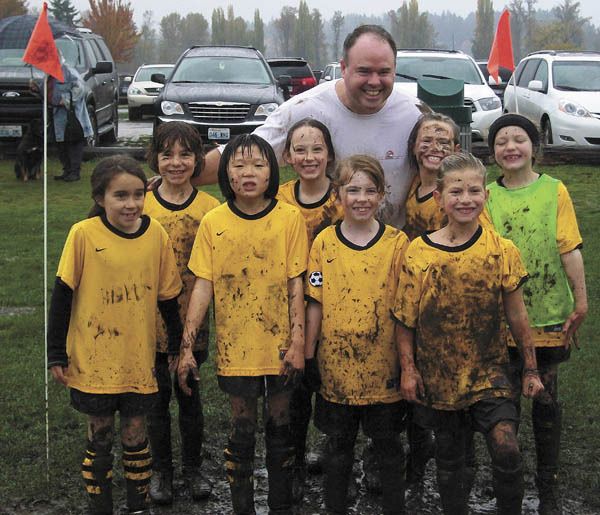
(142, 92)
(412, 65)
(331, 72)
(559, 91)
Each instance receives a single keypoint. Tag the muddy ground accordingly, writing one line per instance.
(481, 501)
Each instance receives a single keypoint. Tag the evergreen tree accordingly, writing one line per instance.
(411, 29)
(64, 11)
(218, 27)
(484, 29)
(146, 48)
(337, 25)
(258, 32)
(303, 33)
(286, 25)
(319, 53)
(170, 47)
(193, 31)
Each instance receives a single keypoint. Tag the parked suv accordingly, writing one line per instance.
(221, 90)
(298, 69)
(89, 55)
(331, 72)
(412, 65)
(142, 91)
(559, 91)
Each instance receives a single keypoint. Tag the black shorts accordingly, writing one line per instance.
(545, 356)
(377, 420)
(481, 416)
(106, 404)
(255, 386)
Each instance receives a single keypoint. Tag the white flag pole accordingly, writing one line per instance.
(45, 118)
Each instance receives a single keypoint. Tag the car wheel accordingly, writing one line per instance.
(93, 141)
(113, 135)
(547, 132)
(135, 113)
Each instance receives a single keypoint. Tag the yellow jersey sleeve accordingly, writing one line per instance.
(201, 257)
(72, 258)
(169, 285)
(408, 294)
(297, 246)
(314, 283)
(568, 237)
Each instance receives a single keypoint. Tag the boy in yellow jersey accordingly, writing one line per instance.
(250, 255)
(115, 268)
(176, 153)
(309, 151)
(353, 276)
(535, 211)
(454, 285)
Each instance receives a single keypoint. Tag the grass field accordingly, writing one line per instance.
(23, 483)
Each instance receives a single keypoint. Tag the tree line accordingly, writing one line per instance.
(302, 31)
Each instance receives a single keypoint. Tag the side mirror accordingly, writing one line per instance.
(158, 77)
(327, 77)
(535, 85)
(103, 67)
(492, 81)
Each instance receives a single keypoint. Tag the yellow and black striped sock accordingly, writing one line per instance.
(137, 469)
(97, 473)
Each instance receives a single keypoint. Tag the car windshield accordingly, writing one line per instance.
(66, 45)
(293, 70)
(430, 67)
(229, 70)
(144, 74)
(576, 75)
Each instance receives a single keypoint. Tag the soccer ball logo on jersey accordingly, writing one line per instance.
(316, 279)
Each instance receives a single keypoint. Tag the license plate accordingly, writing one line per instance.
(220, 133)
(10, 131)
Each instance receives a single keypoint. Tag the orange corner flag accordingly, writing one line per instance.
(41, 50)
(501, 53)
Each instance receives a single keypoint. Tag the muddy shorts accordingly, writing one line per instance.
(106, 404)
(481, 416)
(377, 420)
(254, 387)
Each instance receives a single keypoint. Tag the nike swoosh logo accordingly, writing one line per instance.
(330, 260)
(219, 233)
(100, 250)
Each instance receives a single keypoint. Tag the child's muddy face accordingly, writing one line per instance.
(513, 149)
(463, 196)
(308, 153)
(434, 142)
(249, 174)
(176, 164)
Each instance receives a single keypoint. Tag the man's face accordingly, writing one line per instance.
(368, 74)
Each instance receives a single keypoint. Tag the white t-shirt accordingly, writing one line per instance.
(383, 135)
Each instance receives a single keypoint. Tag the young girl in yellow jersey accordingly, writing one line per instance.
(353, 276)
(309, 151)
(176, 153)
(115, 268)
(250, 254)
(454, 284)
(433, 137)
(535, 211)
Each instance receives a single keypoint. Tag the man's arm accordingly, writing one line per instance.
(208, 175)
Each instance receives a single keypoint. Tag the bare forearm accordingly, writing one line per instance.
(518, 321)
(405, 345)
(210, 170)
(573, 265)
(296, 310)
(314, 317)
(198, 306)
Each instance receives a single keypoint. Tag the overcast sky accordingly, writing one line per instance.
(271, 8)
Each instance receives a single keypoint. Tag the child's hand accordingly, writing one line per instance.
(173, 361)
(292, 364)
(572, 324)
(532, 386)
(187, 366)
(58, 373)
(153, 183)
(411, 385)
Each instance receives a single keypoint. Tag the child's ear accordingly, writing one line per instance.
(438, 197)
(100, 200)
(457, 148)
(287, 159)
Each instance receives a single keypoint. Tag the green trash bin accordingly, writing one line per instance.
(447, 96)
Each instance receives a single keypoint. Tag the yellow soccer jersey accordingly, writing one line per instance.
(181, 221)
(117, 280)
(452, 297)
(317, 215)
(423, 214)
(568, 238)
(356, 286)
(249, 259)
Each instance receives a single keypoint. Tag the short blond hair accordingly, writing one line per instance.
(347, 167)
(459, 162)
